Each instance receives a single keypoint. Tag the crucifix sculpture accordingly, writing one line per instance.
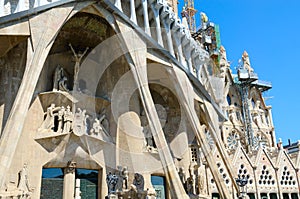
(77, 58)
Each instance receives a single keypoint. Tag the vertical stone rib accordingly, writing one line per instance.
(132, 11)
(179, 48)
(157, 23)
(118, 4)
(169, 37)
(138, 65)
(146, 17)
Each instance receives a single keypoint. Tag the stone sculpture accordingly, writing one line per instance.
(68, 119)
(162, 115)
(201, 184)
(62, 84)
(77, 59)
(60, 119)
(138, 182)
(119, 185)
(149, 141)
(60, 80)
(223, 59)
(57, 76)
(84, 121)
(23, 184)
(101, 125)
(71, 166)
(80, 122)
(63, 120)
(151, 194)
(246, 62)
(125, 177)
(232, 115)
(96, 128)
(48, 123)
(104, 122)
(191, 181)
(111, 180)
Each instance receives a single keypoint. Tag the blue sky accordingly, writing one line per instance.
(270, 32)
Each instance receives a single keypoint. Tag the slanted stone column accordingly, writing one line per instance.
(44, 28)
(138, 66)
(69, 181)
(184, 89)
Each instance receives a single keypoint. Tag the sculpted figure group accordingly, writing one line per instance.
(195, 183)
(117, 184)
(63, 120)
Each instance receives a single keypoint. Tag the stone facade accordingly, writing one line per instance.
(174, 5)
(116, 99)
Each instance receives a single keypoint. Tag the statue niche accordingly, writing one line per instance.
(118, 188)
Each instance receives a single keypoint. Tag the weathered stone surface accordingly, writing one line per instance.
(94, 88)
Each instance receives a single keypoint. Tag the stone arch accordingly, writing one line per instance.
(168, 108)
(83, 30)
